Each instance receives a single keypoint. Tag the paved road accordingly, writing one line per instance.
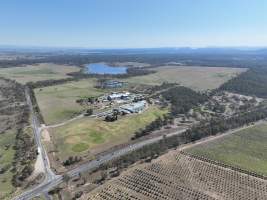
(37, 134)
(49, 174)
(56, 180)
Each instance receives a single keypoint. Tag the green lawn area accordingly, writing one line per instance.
(38, 72)
(58, 103)
(197, 78)
(81, 136)
(6, 158)
(246, 149)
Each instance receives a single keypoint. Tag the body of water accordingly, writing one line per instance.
(101, 68)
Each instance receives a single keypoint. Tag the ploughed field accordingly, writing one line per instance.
(87, 136)
(197, 78)
(246, 149)
(180, 176)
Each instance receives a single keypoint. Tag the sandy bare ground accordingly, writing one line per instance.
(45, 135)
(38, 168)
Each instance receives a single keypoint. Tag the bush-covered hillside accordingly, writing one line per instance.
(251, 82)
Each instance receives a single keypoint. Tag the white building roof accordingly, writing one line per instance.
(134, 106)
(118, 95)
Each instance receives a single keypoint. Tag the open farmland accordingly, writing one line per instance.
(58, 103)
(96, 135)
(179, 176)
(197, 78)
(43, 71)
(246, 149)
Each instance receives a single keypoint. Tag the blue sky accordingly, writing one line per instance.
(133, 23)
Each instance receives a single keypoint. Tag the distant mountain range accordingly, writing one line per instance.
(167, 50)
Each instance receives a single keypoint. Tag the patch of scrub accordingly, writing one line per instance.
(7, 140)
(40, 71)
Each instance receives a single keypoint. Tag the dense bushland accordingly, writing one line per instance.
(182, 99)
(14, 107)
(251, 82)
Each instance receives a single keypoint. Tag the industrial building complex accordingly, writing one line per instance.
(134, 107)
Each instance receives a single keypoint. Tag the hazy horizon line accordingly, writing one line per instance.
(121, 48)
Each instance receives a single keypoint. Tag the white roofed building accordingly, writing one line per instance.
(134, 107)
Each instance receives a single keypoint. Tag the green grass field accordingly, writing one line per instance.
(81, 136)
(197, 78)
(43, 71)
(58, 103)
(6, 158)
(246, 149)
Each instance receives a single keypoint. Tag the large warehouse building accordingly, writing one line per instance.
(134, 107)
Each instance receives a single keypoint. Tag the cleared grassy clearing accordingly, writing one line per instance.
(197, 78)
(81, 136)
(246, 149)
(6, 159)
(58, 103)
(43, 71)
